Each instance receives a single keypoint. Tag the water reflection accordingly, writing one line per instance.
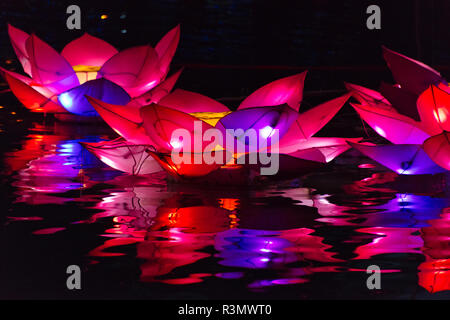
(290, 233)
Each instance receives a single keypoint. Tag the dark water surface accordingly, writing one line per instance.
(311, 237)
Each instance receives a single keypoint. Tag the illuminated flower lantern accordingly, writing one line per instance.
(271, 109)
(413, 115)
(58, 83)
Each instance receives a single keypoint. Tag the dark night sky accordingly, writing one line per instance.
(243, 32)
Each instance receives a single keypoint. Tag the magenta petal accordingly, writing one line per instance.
(401, 158)
(124, 120)
(310, 122)
(396, 128)
(18, 41)
(157, 93)
(190, 102)
(123, 156)
(49, 67)
(334, 144)
(160, 123)
(88, 50)
(35, 98)
(135, 69)
(412, 75)
(287, 90)
(367, 96)
(438, 149)
(166, 48)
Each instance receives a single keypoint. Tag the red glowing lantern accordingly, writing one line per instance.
(434, 109)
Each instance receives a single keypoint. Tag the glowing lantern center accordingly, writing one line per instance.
(266, 132)
(65, 100)
(441, 114)
(176, 144)
(85, 73)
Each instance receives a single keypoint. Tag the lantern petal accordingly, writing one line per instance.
(35, 98)
(123, 156)
(18, 41)
(48, 67)
(411, 74)
(287, 90)
(310, 122)
(160, 124)
(402, 100)
(191, 102)
(166, 48)
(402, 158)
(88, 50)
(157, 93)
(330, 147)
(135, 69)
(368, 96)
(396, 128)
(75, 102)
(438, 149)
(434, 109)
(124, 120)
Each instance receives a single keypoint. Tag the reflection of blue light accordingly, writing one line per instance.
(65, 100)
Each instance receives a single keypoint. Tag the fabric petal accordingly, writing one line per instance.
(310, 122)
(161, 122)
(157, 93)
(48, 67)
(74, 100)
(123, 156)
(315, 142)
(396, 128)
(411, 74)
(18, 41)
(402, 158)
(37, 99)
(191, 102)
(88, 50)
(166, 48)
(368, 96)
(135, 69)
(438, 149)
(434, 109)
(123, 120)
(287, 90)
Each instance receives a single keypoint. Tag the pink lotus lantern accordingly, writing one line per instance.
(413, 112)
(151, 128)
(58, 83)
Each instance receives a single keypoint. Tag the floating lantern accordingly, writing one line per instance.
(402, 158)
(136, 70)
(434, 109)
